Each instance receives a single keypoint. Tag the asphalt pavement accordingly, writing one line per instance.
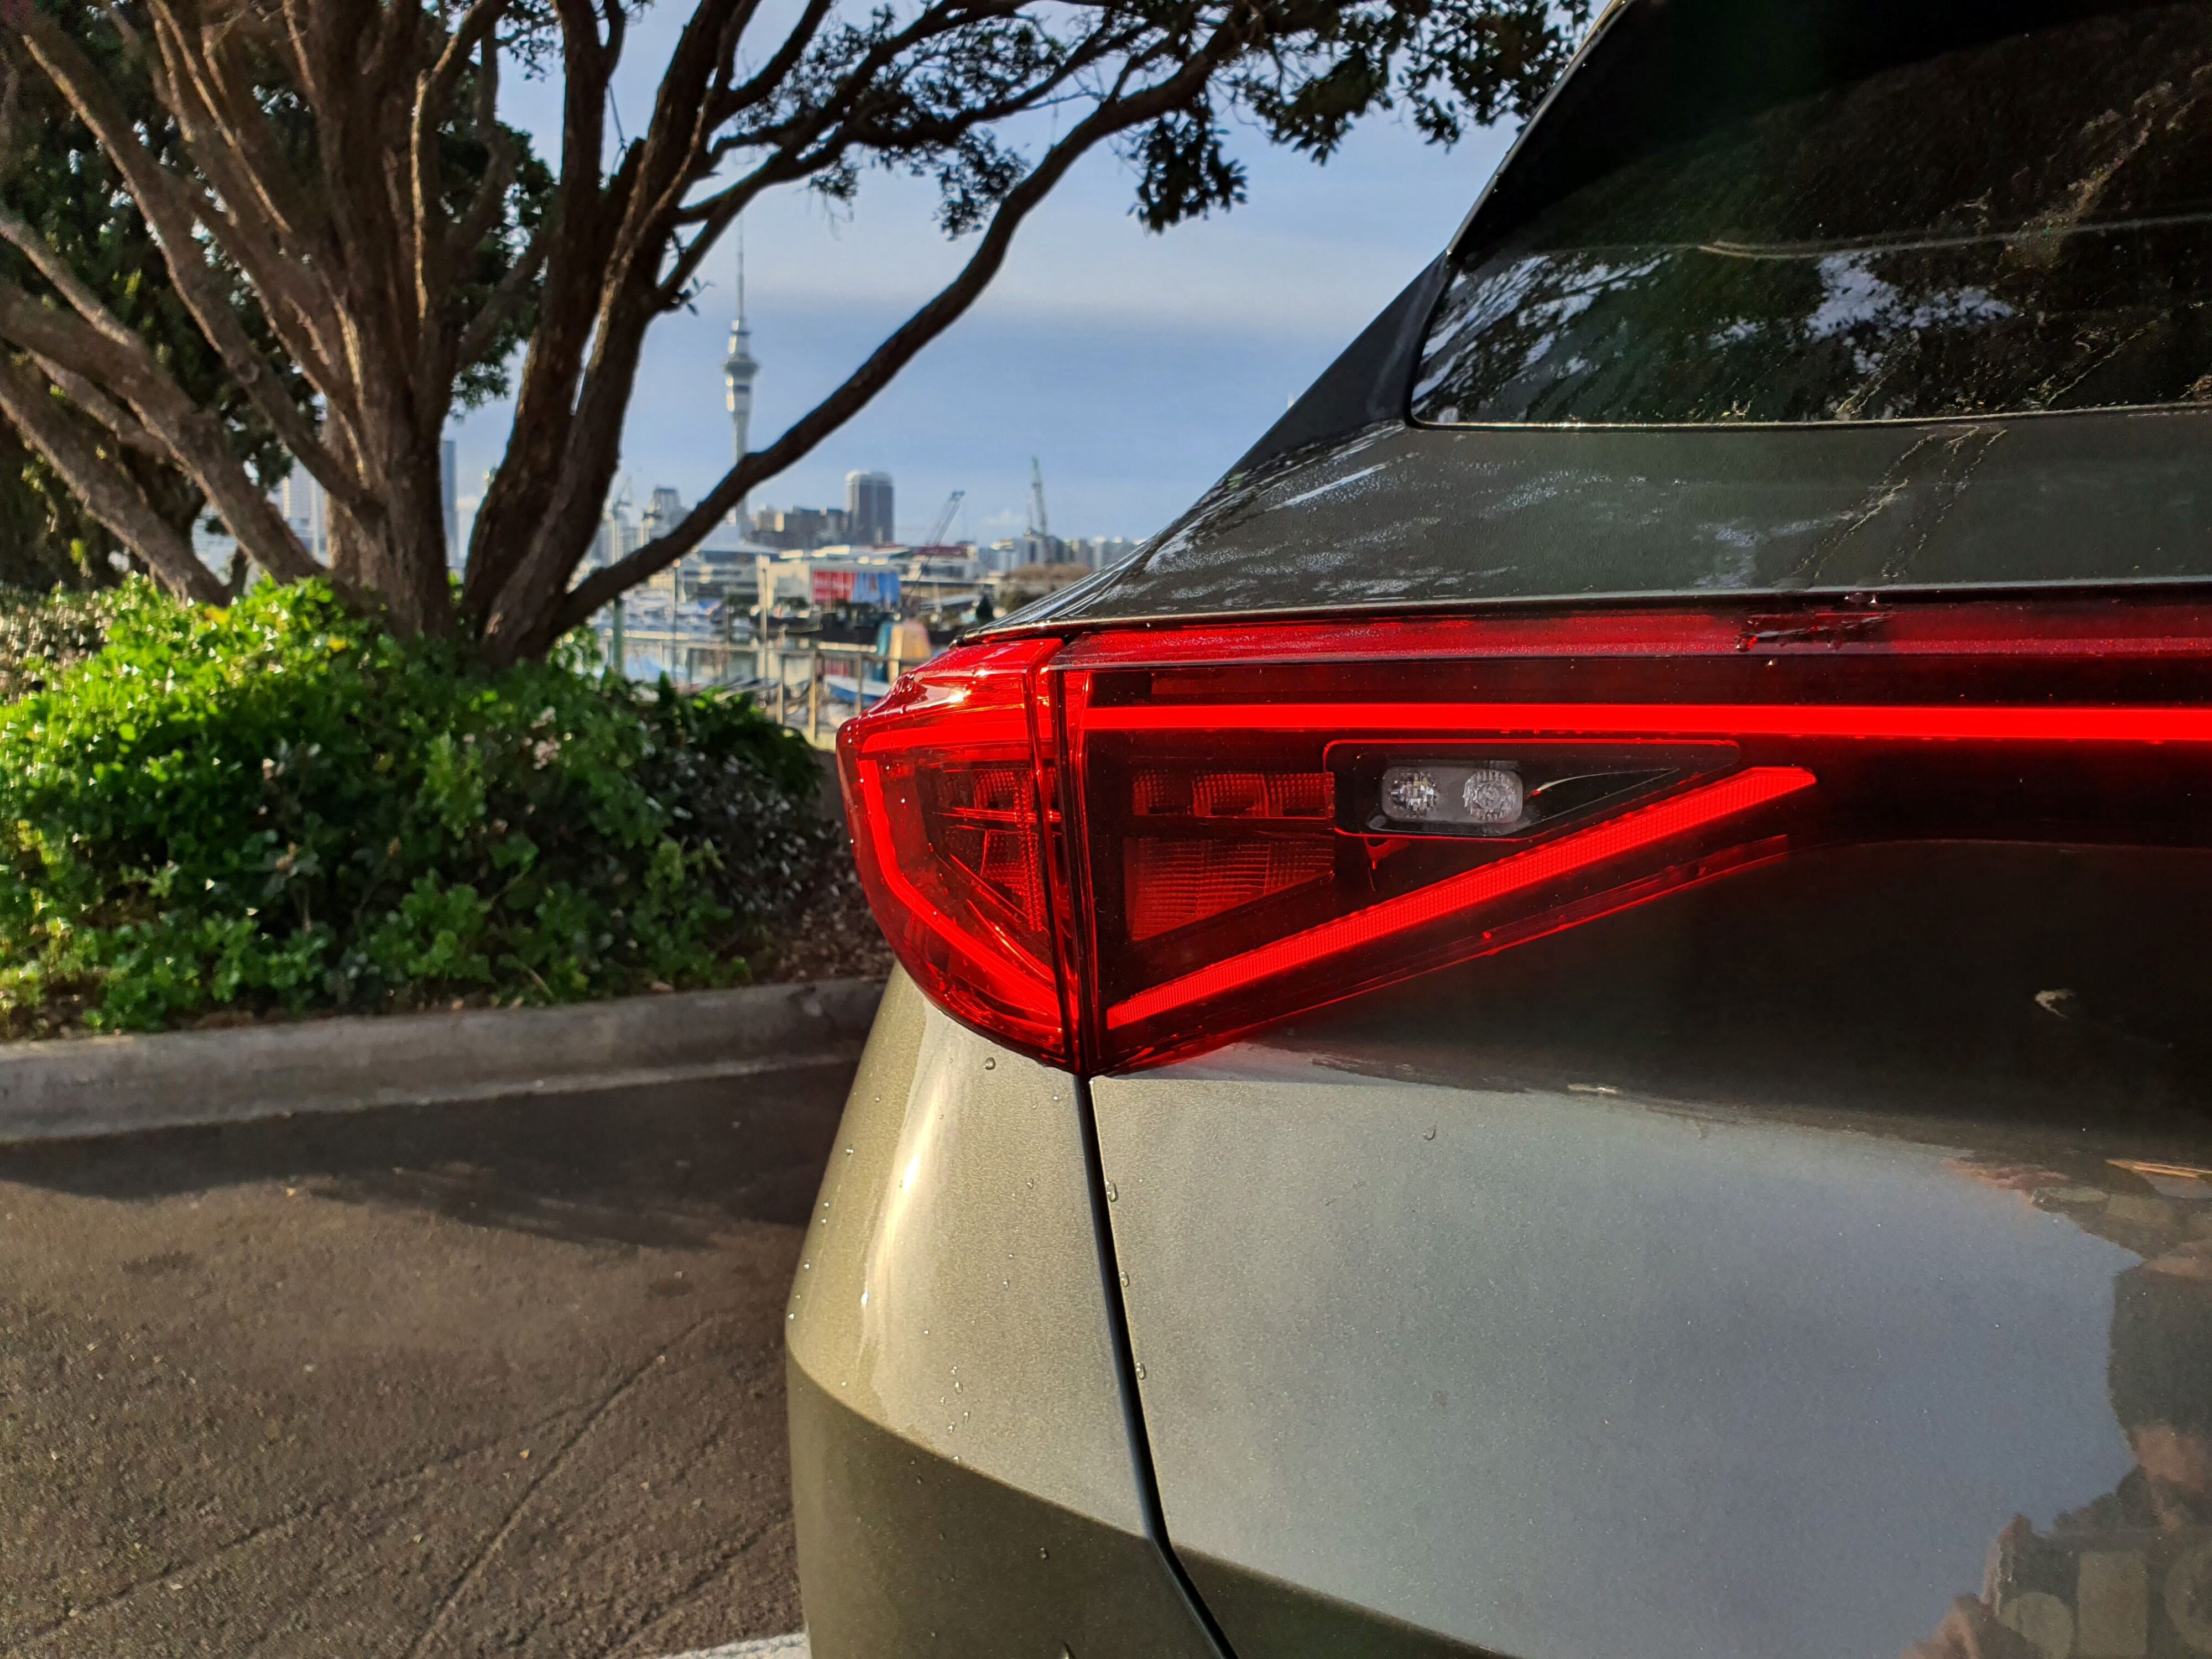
(431, 1382)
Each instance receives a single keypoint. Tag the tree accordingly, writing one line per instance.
(306, 176)
(56, 183)
(82, 476)
(47, 539)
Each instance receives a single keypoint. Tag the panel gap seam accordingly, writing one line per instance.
(1125, 1367)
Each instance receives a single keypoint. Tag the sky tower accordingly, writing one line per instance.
(738, 370)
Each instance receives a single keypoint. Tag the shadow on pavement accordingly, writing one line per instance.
(424, 1383)
(664, 1168)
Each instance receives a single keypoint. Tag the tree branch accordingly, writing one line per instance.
(128, 371)
(66, 283)
(1114, 115)
(170, 213)
(127, 429)
(267, 222)
(474, 28)
(477, 221)
(713, 214)
(576, 261)
(483, 328)
(784, 58)
(108, 491)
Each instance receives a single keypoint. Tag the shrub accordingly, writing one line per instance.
(279, 805)
(41, 633)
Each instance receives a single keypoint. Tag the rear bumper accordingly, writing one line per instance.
(903, 1552)
(961, 1466)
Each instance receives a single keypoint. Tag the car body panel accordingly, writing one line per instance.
(1594, 1300)
(1739, 1273)
(1400, 518)
(951, 1289)
(953, 1371)
(902, 1551)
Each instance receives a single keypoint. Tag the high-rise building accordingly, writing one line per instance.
(738, 370)
(662, 512)
(447, 481)
(300, 498)
(617, 535)
(868, 508)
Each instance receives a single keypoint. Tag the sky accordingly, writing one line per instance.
(1134, 367)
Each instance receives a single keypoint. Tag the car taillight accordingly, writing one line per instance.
(1135, 845)
(946, 795)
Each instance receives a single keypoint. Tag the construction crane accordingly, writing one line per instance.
(1038, 523)
(936, 536)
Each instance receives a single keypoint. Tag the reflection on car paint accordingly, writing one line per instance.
(1722, 1279)
(2128, 1572)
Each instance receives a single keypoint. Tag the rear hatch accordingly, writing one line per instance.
(1633, 890)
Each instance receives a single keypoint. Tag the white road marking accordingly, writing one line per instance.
(775, 1647)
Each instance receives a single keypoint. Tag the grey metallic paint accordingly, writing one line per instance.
(1401, 517)
(951, 1290)
(1715, 1280)
(903, 1554)
(1557, 1375)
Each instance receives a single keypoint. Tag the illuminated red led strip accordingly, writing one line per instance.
(919, 904)
(1874, 722)
(1008, 727)
(1693, 809)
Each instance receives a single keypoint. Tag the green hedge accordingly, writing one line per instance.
(43, 633)
(279, 805)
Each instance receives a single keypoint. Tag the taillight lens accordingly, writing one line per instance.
(945, 792)
(1136, 845)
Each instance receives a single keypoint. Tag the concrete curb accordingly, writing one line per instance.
(113, 1085)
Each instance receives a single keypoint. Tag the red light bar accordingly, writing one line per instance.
(1869, 723)
(1985, 629)
(1540, 866)
(1140, 843)
(949, 833)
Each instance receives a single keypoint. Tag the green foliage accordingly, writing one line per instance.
(281, 806)
(55, 178)
(61, 183)
(41, 633)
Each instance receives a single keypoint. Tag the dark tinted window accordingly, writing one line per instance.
(2025, 224)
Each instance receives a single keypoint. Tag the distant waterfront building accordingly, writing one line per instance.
(722, 560)
(617, 534)
(801, 529)
(214, 545)
(868, 508)
(663, 513)
(1100, 552)
(1041, 547)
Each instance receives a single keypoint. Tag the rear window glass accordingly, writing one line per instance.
(2023, 226)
